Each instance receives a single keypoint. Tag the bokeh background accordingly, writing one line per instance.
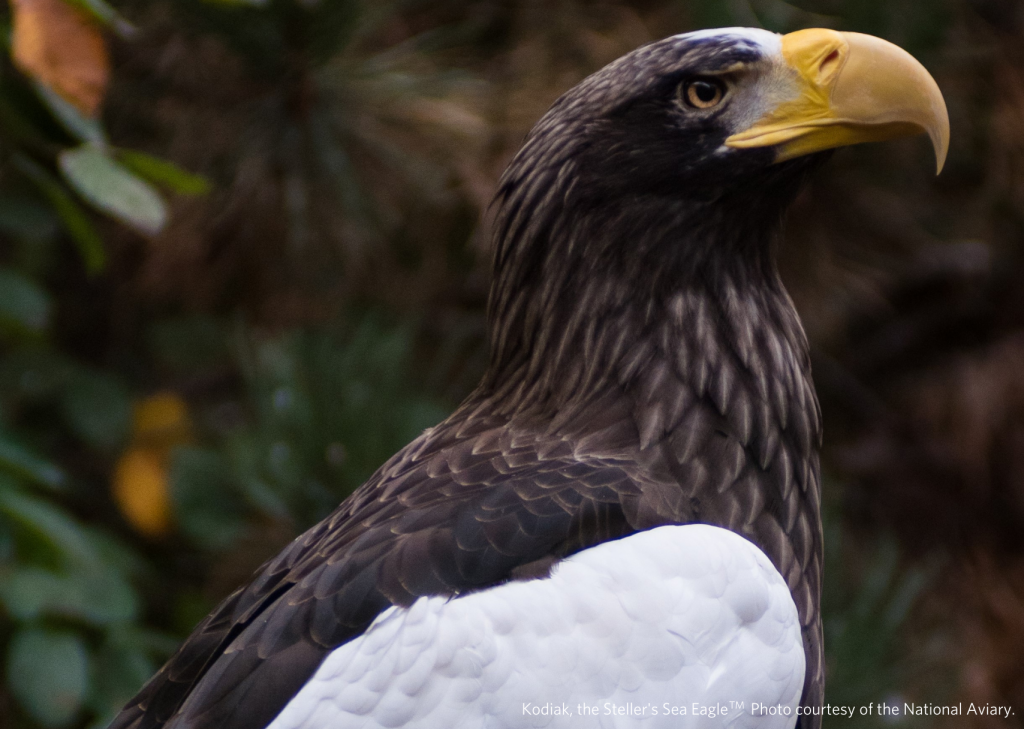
(244, 258)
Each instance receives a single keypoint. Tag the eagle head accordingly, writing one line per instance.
(713, 109)
(668, 173)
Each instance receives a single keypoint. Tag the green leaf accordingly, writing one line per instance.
(113, 189)
(115, 554)
(98, 407)
(47, 672)
(81, 127)
(74, 219)
(77, 223)
(22, 462)
(208, 509)
(100, 597)
(96, 591)
(27, 592)
(52, 525)
(24, 306)
(163, 172)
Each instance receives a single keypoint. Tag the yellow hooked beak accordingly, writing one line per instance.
(850, 88)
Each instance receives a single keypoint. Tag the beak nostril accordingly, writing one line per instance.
(829, 63)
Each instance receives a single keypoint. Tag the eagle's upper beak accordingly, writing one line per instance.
(850, 88)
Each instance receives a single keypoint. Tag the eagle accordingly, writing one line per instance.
(620, 526)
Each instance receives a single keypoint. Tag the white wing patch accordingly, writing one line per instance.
(640, 630)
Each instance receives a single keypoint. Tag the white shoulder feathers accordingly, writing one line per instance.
(658, 629)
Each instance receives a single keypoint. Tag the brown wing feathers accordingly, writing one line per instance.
(473, 527)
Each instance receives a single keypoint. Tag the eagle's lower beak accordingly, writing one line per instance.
(851, 88)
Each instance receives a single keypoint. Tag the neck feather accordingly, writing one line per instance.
(666, 301)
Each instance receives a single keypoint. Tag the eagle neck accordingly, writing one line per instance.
(651, 300)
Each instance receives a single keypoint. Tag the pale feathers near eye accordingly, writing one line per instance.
(769, 42)
(677, 615)
(765, 84)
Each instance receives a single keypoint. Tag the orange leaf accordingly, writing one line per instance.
(140, 488)
(62, 48)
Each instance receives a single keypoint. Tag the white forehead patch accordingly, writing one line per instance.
(770, 43)
(770, 82)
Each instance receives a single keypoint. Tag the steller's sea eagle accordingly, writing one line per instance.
(620, 527)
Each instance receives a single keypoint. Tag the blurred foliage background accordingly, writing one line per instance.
(243, 259)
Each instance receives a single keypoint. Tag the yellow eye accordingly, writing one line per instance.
(703, 93)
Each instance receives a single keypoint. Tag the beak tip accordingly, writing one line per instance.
(939, 129)
(940, 142)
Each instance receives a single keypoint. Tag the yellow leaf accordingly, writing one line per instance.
(161, 419)
(140, 490)
(141, 475)
(61, 47)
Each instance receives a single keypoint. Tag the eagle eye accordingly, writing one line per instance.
(703, 93)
